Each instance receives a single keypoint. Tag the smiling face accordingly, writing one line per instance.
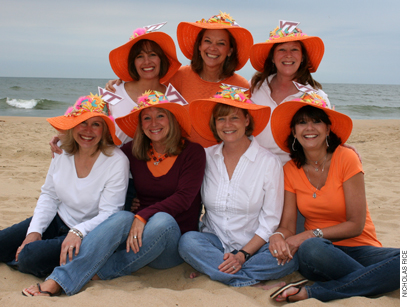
(88, 133)
(215, 47)
(147, 64)
(155, 125)
(231, 128)
(287, 58)
(311, 133)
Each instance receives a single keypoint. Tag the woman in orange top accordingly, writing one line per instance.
(339, 249)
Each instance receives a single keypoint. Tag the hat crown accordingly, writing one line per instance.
(90, 103)
(222, 18)
(233, 94)
(150, 98)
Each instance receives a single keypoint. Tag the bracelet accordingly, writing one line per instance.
(76, 232)
(279, 233)
(140, 218)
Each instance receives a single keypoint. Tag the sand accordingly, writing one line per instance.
(24, 161)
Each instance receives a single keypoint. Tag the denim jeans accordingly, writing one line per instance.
(204, 252)
(103, 251)
(38, 258)
(341, 271)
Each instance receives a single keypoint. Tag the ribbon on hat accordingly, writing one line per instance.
(305, 88)
(312, 98)
(150, 98)
(286, 28)
(232, 93)
(140, 31)
(90, 103)
(222, 18)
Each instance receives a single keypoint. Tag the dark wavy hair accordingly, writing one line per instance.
(309, 112)
(302, 76)
(230, 62)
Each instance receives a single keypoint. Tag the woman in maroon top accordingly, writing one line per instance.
(168, 171)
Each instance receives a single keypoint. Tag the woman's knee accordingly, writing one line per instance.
(313, 249)
(187, 243)
(162, 220)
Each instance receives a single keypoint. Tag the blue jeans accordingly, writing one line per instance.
(204, 252)
(103, 251)
(341, 271)
(38, 258)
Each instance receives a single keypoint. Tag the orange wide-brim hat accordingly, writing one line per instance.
(119, 57)
(313, 44)
(129, 123)
(341, 124)
(67, 123)
(202, 109)
(187, 33)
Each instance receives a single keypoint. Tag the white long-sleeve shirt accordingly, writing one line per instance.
(82, 203)
(262, 96)
(248, 204)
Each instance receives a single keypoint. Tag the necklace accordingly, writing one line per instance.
(316, 168)
(218, 81)
(160, 157)
(319, 180)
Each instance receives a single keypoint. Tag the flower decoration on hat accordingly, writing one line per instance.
(232, 93)
(138, 32)
(141, 31)
(150, 98)
(286, 29)
(90, 103)
(312, 98)
(222, 18)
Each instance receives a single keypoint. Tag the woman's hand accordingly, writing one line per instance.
(232, 263)
(135, 236)
(71, 243)
(31, 237)
(110, 85)
(280, 249)
(53, 146)
(135, 204)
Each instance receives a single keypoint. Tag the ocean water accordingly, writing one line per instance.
(48, 97)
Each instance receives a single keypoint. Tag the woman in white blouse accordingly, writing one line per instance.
(242, 192)
(83, 187)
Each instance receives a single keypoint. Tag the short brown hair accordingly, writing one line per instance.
(221, 109)
(69, 144)
(174, 141)
(230, 62)
(146, 45)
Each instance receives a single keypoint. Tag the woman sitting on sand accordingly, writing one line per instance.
(83, 187)
(339, 249)
(167, 171)
(242, 193)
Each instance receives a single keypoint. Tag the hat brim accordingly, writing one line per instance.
(202, 109)
(128, 123)
(187, 33)
(313, 44)
(119, 57)
(341, 124)
(69, 122)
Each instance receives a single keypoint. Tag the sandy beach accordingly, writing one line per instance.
(24, 161)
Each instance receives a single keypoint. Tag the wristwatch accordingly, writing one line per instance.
(246, 255)
(318, 233)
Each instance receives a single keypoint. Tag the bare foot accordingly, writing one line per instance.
(268, 287)
(293, 294)
(194, 275)
(47, 288)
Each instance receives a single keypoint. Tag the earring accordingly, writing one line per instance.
(326, 141)
(292, 146)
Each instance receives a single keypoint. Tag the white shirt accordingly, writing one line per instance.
(248, 204)
(262, 96)
(82, 203)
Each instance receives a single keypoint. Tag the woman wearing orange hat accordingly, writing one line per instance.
(288, 55)
(168, 171)
(217, 47)
(83, 187)
(242, 193)
(339, 249)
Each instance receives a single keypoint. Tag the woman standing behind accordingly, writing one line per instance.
(84, 186)
(339, 249)
(242, 193)
(288, 55)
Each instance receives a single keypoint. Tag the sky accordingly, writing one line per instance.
(72, 39)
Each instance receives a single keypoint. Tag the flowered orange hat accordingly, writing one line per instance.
(341, 124)
(128, 123)
(85, 107)
(288, 32)
(202, 109)
(187, 33)
(119, 57)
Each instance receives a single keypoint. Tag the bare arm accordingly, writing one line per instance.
(110, 85)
